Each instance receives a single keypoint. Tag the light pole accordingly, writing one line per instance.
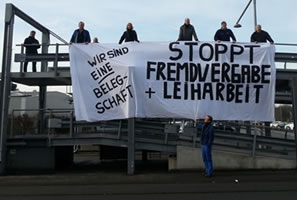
(237, 25)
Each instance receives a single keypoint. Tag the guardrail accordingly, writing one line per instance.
(242, 137)
(57, 56)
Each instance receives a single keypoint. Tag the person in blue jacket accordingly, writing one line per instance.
(81, 35)
(224, 34)
(206, 141)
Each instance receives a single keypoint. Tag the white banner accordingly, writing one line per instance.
(229, 81)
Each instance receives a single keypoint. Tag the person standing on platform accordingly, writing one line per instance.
(81, 35)
(95, 40)
(206, 141)
(261, 36)
(31, 45)
(187, 32)
(224, 34)
(129, 35)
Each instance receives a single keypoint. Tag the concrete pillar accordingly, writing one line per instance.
(131, 146)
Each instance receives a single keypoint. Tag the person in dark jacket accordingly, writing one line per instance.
(187, 32)
(224, 34)
(206, 141)
(31, 49)
(261, 36)
(95, 40)
(129, 35)
(80, 35)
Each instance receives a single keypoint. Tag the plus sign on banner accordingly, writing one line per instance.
(173, 80)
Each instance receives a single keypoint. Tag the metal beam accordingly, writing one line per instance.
(29, 19)
(6, 83)
(33, 22)
(42, 89)
(255, 14)
(294, 100)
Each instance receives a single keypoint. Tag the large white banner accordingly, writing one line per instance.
(230, 81)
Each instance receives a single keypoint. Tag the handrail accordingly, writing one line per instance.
(256, 141)
(28, 45)
(285, 44)
(45, 109)
(58, 37)
(66, 44)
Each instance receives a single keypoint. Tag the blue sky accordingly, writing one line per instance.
(155, 20)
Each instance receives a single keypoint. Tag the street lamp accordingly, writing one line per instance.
(237, 25)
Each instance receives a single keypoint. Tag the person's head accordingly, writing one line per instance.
(129, 26)
(258, 28)
(95, 40)
(32, 33)
(81, 25)
(208, 119)
(223, 25)
(187, 21)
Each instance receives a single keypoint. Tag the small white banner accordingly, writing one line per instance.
(230, 81)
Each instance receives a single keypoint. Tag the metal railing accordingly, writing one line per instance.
(57, 53)
(22, 117)
(55, 59)
(243, 137)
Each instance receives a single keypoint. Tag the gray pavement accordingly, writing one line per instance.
(155, 183)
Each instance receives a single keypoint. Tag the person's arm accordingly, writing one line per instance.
(216, 36)
(180, 35)
(135, 37)
(269, 38)
(36, 42)
(232, 35)
(194, 34)
(211, 136)
(73, 37)
(253, 38)
(122, 38)
(25, 43)
(199, 125)
(88, 40)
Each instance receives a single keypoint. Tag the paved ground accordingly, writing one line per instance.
(152, 181)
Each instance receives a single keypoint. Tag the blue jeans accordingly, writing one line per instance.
(206, 155)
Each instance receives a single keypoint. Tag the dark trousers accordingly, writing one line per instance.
(207, 159)
(33, 65)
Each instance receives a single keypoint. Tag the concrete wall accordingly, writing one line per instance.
(191, 158)
(34, 159)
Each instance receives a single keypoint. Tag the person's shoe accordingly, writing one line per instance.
(203, 174)
(208, 175)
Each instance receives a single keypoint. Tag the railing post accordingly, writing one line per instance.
(11, 125)
(119, 130)
(22, 63)
(131, 146)
(71, 123)
(254, 141)
(294, 102)
(56, 59)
